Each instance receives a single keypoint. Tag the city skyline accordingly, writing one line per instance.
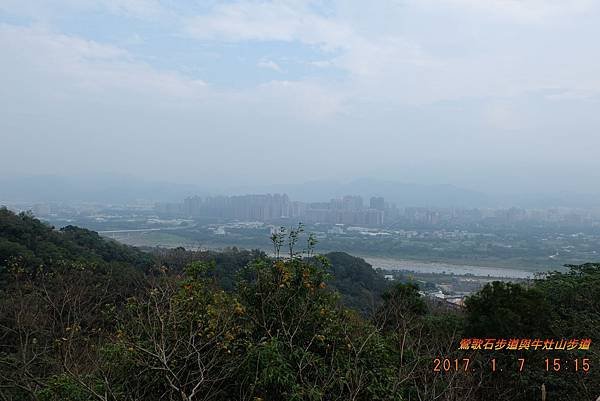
(353, 210)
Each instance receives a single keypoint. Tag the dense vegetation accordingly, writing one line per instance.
(34, 244)
(83, 318)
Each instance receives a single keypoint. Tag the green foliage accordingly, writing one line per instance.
(575, 297)
(418, 332)
(560, 306)
(228, 263)
(503, 310)
(358, 283)
(36, 244)
(406, 298)
(83, 318)
(304, 344)
(65, 388)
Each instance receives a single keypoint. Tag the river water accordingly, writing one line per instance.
(446, 268)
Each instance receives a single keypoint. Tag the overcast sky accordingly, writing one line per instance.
(486, 94)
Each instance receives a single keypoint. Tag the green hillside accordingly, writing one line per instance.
(84, 318)
(35, 244)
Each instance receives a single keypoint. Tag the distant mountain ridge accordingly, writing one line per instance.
(112, 189)
(93, 188)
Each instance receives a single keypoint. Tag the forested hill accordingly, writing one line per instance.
(36, 244)
(360, 285)
(106, 322)
(32, 243)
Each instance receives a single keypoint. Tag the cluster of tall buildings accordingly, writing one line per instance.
(349, 210)
(352, 210)
(245, 207)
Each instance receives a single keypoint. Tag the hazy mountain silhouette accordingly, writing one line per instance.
(95, 188)
(124, 189)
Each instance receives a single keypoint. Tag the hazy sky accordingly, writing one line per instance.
(478, 93)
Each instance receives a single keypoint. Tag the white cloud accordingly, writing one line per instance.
(57, 66)
(140, 8)
(396, 64)
(321, 63)
(392, 65)
(44, 10)
(70, 63)
(293, 21)
(310, 100)
(502, 116)
(269, 64)
(392, 83)
(520, 10)
(96, 106)
(269, 21)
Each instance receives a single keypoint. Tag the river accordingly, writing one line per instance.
(446, 268)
